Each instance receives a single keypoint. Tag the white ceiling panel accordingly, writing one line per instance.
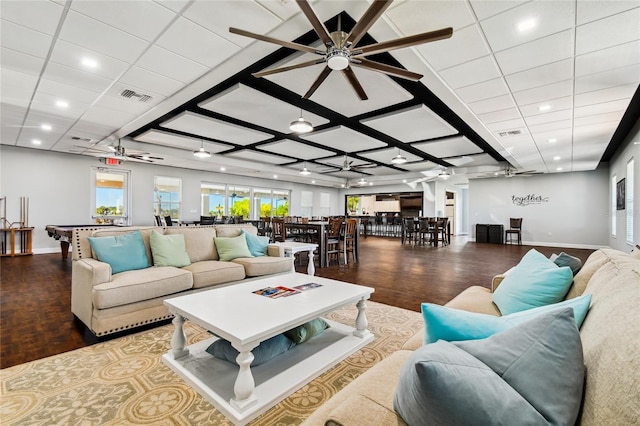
(260, 157)
(45, 103)
(608, 117)
(535, 53)
(217, 16)
(95, 35)
(70, 93)
(385, 155)
(287, 147)
(541, 76)
(25, 40)
(598, 35)
(472, 72)
(414, 17)
(189, 39)
(485, 90)
(592, 10)
(480, 160)
(605, 95)
(561, 137)
(603, 80)
(544, 93)
(215, 129)
(151, 81)
(75, 77)
(107, 117)
(171, 65)
(516, 123)
(619, 105)
(550, 17)
(607, 59)
(401, 124)
(493, 104)
(381, 171)
(252, 106)
(141, 18)
(42, 16)
(16, 87)
(450, 147)
(503, 115)
(465, 45)
(158, 137)
(71, 55)
(130, 105)
(551, 117)
(549, 127)
(16, 61)
(419, 166)
(548, 106)
(487, 8)
(283, 10)
(343, 139)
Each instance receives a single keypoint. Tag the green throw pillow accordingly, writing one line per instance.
(169, 250)
(529, 374)
(535, 281)
(443, 323)
(232, 248)
(306, 331)
(258, 245)
(124, 252)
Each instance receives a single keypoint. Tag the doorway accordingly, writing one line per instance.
(450, 209)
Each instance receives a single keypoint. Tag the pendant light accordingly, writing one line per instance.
(398, 159)
(305, 171)
(301, 125)
(201, 153)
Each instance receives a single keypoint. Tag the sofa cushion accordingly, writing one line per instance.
(232, 248)
(443, 323)
(475, 299)
(581, 279)
(262, 353)
(213, 272)
(530, 374)
(306, 331)
(564, 259)
(233, 230)
(168, 250)
(257, 244)
(264, 265)
(123, 252)
(535, 281)
(143, 284)
(198, 241)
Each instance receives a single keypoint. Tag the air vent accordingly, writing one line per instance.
(510, 133)
(130, 94)
(78, 138)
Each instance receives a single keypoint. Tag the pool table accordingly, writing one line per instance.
(64, 233)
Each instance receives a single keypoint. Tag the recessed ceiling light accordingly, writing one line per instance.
(222, 169)
(275, 176)
(46, 126)
(313, 181)
(89, 62)
(526, 24)
(370, 183)
(545, 107)
(553, 140)
(559, 169)
(557, 157)
(404, 181)
(36, 141)
(60, 103)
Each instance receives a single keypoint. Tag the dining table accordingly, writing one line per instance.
(318, 228)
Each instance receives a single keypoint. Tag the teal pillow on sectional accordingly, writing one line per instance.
(306, 331)
(124, 252)
(257, 244)
(442, 323)
(230, 248)
(535, 281)
(530, 374)
(262, 353)
(169, 250)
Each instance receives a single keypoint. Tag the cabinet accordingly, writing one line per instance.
(489, 233)
(16, 238)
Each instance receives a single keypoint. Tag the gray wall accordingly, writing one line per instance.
(59, 189)
(574, 213)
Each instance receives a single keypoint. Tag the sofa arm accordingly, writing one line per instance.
(362, 410)
(495, 282)
(275, 250)
(85, 274)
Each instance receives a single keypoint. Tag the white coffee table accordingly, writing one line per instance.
(245, 319)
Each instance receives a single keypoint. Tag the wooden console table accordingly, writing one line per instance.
(24, 238)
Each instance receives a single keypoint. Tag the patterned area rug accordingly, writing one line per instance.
(124, 382)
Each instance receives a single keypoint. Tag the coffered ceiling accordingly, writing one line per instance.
(536, 86)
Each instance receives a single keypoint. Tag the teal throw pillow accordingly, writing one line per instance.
(529, 374)
(230, 248)
(257, 244)
(563, 259)
(262, 353)
(124, 252)
(306, 331)
(443, 323)
(535, 281)
(169, 250)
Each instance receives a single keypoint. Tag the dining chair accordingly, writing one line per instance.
(168, 221)
(349, 240)
(515, 227)
(332, 240)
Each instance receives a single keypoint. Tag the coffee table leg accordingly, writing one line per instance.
(179, 338)
(244, 385)
(311, 268)
(361, 320)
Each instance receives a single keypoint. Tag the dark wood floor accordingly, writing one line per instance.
(35, 291)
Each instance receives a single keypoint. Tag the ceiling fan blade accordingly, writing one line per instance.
(372, 14)
(387, 69)
(290, 45)
(288, 68)
(353, 80)
(321, 78)
(399, 43)
(317, 24)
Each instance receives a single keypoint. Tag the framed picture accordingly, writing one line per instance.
(620, 195)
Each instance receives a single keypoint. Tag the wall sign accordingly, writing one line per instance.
(528, 200)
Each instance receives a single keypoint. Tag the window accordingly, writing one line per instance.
(110, 195)
(629, 201)
(306, 204)
(212, 199)
(613, 209)
(167, 196)
(281, 203)
(239, 202)
(262, 203)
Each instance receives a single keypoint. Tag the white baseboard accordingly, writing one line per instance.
(47, 250)
(561, 245)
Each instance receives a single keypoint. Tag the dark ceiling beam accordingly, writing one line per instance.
(630, 118)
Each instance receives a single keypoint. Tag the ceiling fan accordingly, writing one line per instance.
(118, 152)
(341, 50)
(348, 166)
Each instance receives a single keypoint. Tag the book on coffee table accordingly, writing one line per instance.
(275, 292)
(307, 286)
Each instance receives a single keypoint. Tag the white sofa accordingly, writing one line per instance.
(107, 303)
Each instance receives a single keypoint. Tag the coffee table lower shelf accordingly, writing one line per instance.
(274, 380)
